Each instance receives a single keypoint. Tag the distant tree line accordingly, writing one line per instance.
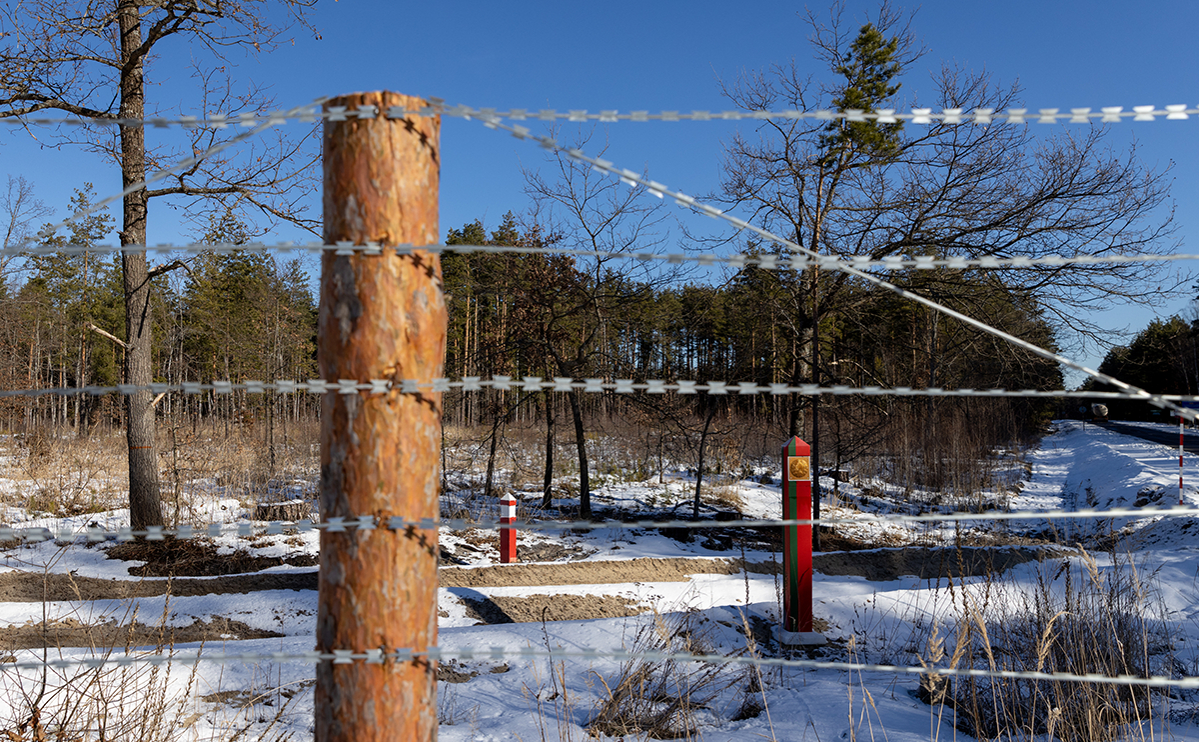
(243, 315)
(230, 315)
(1163, 358)
(538, 315)
(542, 315)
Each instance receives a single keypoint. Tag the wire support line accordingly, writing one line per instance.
(438, 107)
(1104, 114)
(594, 654)
(738, 261)
(400, 524)
(635, 179)
(564, 384)
(309, 113)
(178, 166)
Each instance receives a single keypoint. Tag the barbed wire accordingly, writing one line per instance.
(634, 179)
(1106, 114)
(338, 524)
(438, 107)
(856, 266)
(564, 384)
(591, 654)
(739, 260)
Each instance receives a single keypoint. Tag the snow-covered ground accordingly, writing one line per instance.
(514, 698)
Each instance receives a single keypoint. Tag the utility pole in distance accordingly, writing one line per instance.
(381, 317)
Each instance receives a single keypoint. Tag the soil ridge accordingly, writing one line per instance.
(876, 565)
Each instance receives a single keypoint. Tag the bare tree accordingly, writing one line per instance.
(869, 188)
(585, 211)
(946, 189)
(19, 211)
(89, 58)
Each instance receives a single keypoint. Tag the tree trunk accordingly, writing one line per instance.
(381, 317)
(547, 485)
(83, 402)
(145, 501)
(270, 432)
(699, 470)
(814, 441)
(576, 412)
(932, 453)
(495, 438)
(661, 460)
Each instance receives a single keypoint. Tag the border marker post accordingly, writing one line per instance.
(797, 626)
(1180, 421)
(508, 534)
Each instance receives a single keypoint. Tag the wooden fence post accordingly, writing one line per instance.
(381, 317)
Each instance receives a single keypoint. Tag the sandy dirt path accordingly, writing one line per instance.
(880, 564)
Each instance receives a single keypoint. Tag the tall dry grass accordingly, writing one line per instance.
(1077, 619)
(61, 474)
(663, 699)
(58, 473)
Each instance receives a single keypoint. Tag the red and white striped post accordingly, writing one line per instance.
(1180, 419)
(797, 628)
(508, 533)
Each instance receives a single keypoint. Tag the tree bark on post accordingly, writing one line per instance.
(381, 317)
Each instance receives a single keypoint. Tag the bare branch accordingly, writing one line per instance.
(167, 268)
(108, 335)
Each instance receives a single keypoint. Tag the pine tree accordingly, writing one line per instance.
(71, 290)
(868, 70)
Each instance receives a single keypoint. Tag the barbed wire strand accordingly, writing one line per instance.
(593, 654)
(917, 116)
(634, 179)
(588, 386)
(738, 261)
(437, 107)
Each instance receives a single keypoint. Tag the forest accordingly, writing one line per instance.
(231, 315)
(843, 188)
(244, 315)
(177, 548)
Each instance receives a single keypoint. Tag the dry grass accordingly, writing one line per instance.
(61, 474)
(723, 496)
(110, 701)
(115, 700)
(127, 702)
(1079, 619)
(66, 475)
(207, 463)
(662, 699)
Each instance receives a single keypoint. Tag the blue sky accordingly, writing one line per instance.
(672, 55)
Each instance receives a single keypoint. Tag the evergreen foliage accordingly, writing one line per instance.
(232, 315)
(869, 70)
(1163, 358)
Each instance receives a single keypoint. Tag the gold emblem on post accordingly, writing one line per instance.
(797, 468)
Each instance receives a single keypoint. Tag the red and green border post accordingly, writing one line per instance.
(797, 627)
